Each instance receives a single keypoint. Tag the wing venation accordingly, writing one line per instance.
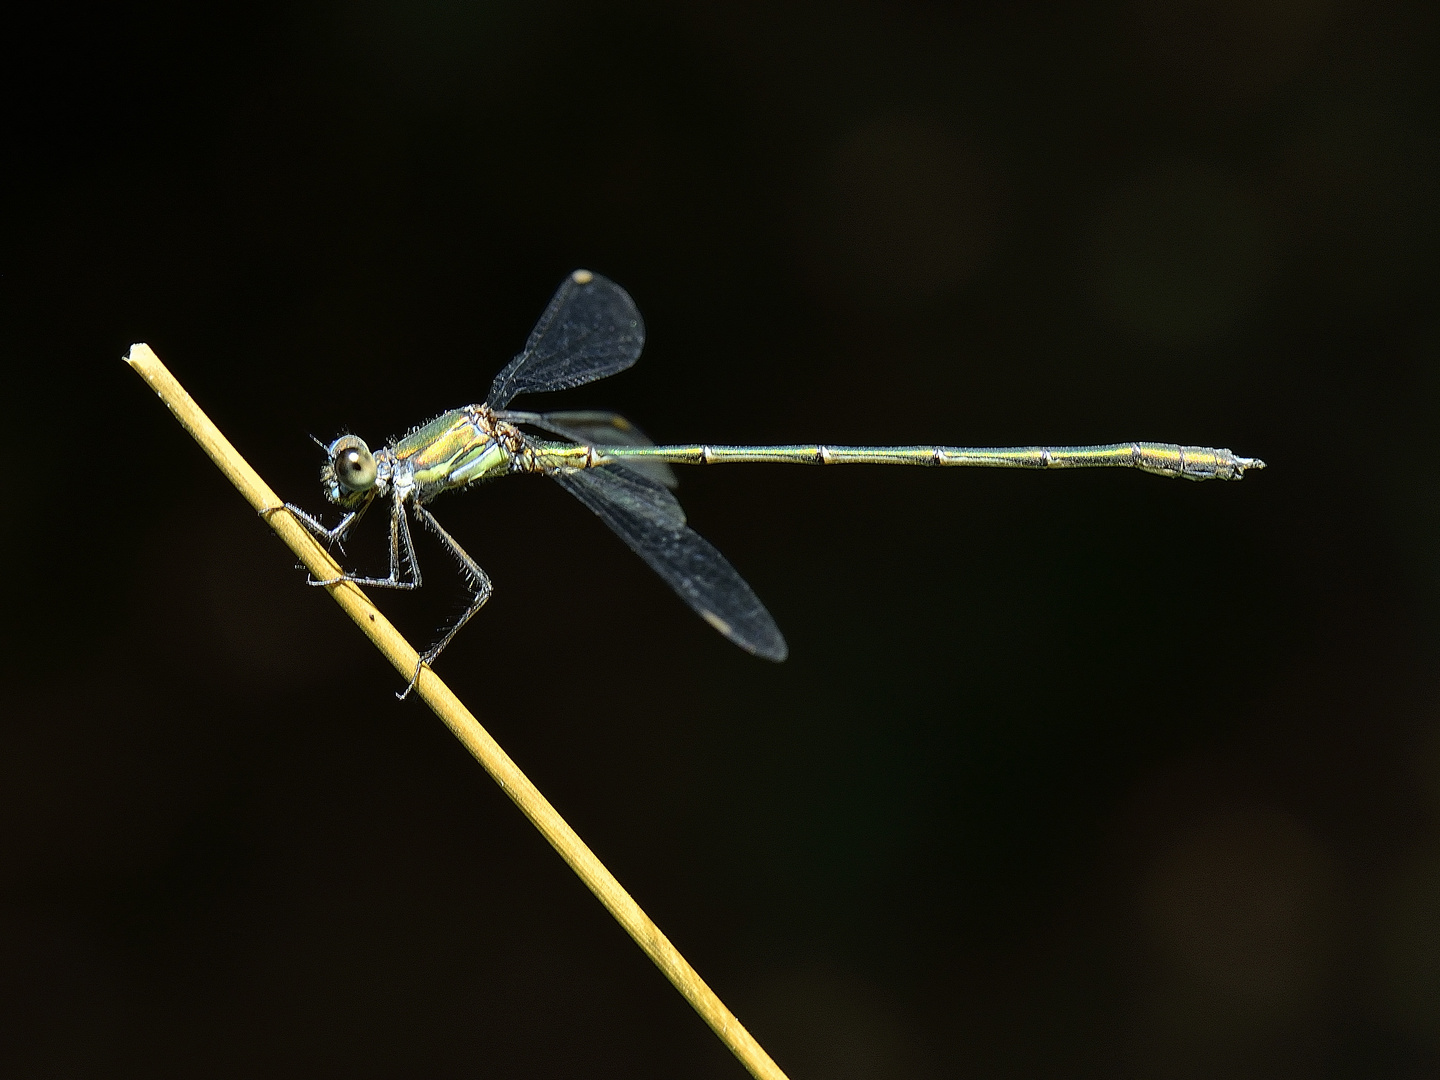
(684, 560)
(590, 330)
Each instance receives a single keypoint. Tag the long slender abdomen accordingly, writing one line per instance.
(1164, 459)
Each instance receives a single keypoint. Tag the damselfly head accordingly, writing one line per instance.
(350, 473)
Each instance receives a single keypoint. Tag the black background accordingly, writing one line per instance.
(1086, 774)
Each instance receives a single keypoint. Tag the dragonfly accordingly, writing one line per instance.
(591, 330)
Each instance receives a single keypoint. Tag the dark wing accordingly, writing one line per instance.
(590, 330)
(599, 428)
(639, 511)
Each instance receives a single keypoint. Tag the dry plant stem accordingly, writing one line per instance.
(433, 691)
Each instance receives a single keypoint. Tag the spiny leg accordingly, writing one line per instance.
(399, 533)
(479, 580)
(330, 536)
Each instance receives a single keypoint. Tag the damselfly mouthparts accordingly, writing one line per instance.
(590, 330)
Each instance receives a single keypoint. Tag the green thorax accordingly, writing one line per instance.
(454, 449)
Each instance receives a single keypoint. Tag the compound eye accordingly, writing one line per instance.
(353, 464)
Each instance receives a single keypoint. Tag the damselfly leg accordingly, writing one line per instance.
(333, 537)
(479, 582)
(402, 555)
(399, 535)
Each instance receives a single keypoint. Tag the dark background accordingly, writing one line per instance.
(1086, 774)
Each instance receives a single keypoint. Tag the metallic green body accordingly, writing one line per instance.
(591, 330)
(1164, 459)
(454, 449)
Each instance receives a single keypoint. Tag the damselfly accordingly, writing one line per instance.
(591, 330)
